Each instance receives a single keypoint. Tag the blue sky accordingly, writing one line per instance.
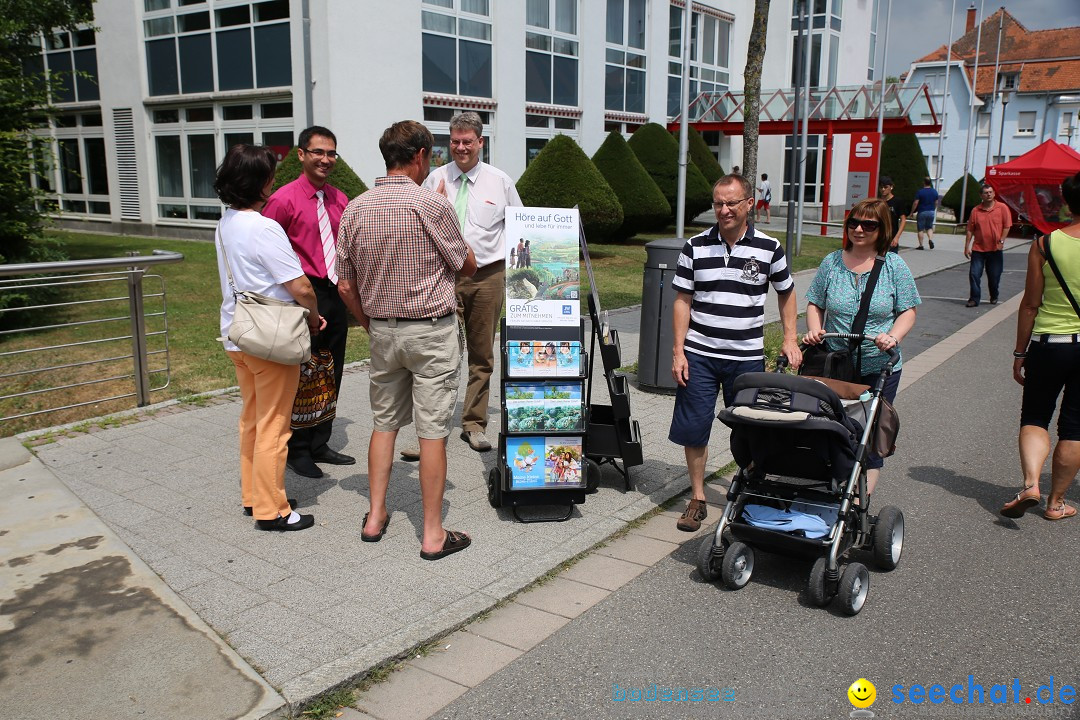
(918, 27)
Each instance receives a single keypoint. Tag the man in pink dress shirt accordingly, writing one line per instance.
(296, 207)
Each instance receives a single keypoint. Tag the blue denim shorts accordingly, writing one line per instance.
(695, 404)
(925, 220)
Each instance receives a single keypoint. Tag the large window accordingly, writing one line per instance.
(457, 47)
(551, 52)
(71, 61)
(209, 46)
(76, 175)
(825, 24)
(624, 86)
(814, 148)
(189, 142)
(709, 55)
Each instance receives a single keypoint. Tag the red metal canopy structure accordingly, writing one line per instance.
(843, 110)
(1031, 184)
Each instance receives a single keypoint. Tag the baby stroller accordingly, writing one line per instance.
(801, 485)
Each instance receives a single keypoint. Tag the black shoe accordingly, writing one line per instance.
(282, 524)
(993, 301)
(931, 244)
(304, 465)
(332, 457)
(292, 505)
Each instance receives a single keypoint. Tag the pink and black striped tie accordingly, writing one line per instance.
(329, 248)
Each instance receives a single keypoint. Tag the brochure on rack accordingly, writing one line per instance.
(543, 283)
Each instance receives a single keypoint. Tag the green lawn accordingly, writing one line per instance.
(197, 362)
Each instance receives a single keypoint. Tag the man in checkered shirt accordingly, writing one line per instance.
(400, 251)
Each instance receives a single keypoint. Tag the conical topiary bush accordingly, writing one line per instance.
(644, 206)
(659, 154)
(562, 176)
(702, 155)
(951, 199)
(343, 177)
(903, 161)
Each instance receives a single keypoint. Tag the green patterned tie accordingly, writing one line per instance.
(462, 200)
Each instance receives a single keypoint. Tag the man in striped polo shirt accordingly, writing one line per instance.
(719, 317)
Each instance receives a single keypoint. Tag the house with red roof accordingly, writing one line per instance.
(998, 104)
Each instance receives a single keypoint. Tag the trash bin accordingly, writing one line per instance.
(657, 302)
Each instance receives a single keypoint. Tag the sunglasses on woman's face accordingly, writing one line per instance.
(867, 225)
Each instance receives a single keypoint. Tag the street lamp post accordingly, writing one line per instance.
(1006, 95)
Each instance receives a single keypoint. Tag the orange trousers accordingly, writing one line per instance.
(268, 390)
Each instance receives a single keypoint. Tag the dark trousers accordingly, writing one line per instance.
(994, 261)
(307, 441)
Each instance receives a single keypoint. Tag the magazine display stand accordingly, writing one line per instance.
(613, 434)
(543, 450)
(543, 411)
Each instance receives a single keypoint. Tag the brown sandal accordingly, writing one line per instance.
(691, 518)
(1060, 512)
(1020, 504)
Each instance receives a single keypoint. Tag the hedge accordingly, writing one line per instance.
(702, 155)
(951, 199)
(562, 176)
(659, 154)
(902, 160)
(644, 206)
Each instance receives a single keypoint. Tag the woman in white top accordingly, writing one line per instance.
(263, 261)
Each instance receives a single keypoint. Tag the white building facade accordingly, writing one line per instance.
(169, 85)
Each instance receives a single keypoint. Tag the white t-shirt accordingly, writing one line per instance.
(764, 191)
(261, 259)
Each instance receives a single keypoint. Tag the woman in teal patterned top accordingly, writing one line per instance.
(836, 291)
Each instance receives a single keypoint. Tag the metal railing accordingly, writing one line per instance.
(58, 333)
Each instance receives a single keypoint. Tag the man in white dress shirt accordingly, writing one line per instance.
(480, 193)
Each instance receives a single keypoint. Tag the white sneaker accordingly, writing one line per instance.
(477, 440)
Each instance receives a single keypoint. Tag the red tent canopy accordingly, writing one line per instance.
(1031, 184)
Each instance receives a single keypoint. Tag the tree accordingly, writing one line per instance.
(659, 154)
(951, 199)
(24, 101)
(644, 207)
(343, 177)
(755, 57)
(902, 160)
(562, 176)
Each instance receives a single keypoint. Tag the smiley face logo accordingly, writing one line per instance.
(862, 693)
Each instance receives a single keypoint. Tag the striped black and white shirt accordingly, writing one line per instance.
(727, 312)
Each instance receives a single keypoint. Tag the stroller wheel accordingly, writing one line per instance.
(709, 557)
(738, 566)
(817, 587)
(854, 584)
(888, 538)
(592, 475)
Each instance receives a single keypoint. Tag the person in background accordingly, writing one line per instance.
(261, 260)
(987, 227)
(764, 198)
(836, 291)
(1046, 361)
(925, 211)
(309, 209)
(897, 211)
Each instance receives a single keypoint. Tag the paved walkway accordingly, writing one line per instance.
(315, 609)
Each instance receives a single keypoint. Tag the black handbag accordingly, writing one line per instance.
(844, 364)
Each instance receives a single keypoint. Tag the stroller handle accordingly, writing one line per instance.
(893, 352)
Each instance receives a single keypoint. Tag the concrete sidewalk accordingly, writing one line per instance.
(316, 609)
